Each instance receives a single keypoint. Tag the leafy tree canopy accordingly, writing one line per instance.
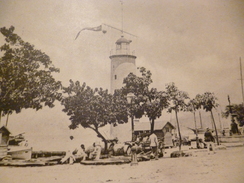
(194, 104)
(147, 101)
(26, 79)
(208, 101)
(177, 98)
(237, 110)
(93, 108)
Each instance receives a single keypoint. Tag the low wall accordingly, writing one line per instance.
(231, 139)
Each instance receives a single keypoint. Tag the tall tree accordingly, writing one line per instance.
(26, 79)
(193, 105)
(147, 101)
(178, 103)
(208, 102)
(93, 108)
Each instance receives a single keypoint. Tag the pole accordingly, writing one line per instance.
(220, 123)
(122, 18)
(241, 82)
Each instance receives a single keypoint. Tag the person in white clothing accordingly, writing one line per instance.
(80, 155)
(97, 151)
(154, 144)
(70, 153)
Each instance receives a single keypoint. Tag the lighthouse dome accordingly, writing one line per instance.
(123, 40)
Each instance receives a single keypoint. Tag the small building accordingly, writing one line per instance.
(163, 130)
(4, 140)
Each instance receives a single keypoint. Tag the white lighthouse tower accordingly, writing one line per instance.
(122, 63)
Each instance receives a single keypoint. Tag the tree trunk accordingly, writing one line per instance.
(152, 125)
(7, 119)
(178, 125)
(132, 128)
(200, 116)
(0, 118)
(197, 141)
(104, 140)
(217, 138)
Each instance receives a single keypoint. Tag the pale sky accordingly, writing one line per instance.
(196, 44)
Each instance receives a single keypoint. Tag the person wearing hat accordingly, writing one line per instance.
(209, 140)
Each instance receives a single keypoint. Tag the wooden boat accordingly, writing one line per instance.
(20, 153)
(3, 151)
(22, 163)
(4, 138)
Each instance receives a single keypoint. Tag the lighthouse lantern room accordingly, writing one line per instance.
(122, 63)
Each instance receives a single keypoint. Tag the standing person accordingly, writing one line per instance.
(209, 139)
(154, 144)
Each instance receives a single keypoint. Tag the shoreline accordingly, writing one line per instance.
(225, 166)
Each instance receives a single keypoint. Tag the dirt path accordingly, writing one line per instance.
(224, 167)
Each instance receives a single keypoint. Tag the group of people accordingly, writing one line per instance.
(74, 154)
(209, 140)
(153, 144)
(94, 152)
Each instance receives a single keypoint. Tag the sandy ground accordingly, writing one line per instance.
(225, 166)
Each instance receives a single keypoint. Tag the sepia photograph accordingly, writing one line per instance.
(121, 91)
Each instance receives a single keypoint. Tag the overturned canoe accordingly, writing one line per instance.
(22, 163)
(108, 161)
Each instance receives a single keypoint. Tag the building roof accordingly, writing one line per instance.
(158, 125)
(4, 128)
(122, 40)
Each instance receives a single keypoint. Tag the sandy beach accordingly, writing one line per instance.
(225, 166)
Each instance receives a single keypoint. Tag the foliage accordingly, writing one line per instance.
(26, 79)
(93, 108)
(208, 101)
(147, 101)
(194, 104)
(177, 98)
(238, 110)
(177, 103)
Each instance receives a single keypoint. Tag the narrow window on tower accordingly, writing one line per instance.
(115, 77)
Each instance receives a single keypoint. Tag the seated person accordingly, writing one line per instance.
(96, 153)
(80, 155)
(70, 153)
